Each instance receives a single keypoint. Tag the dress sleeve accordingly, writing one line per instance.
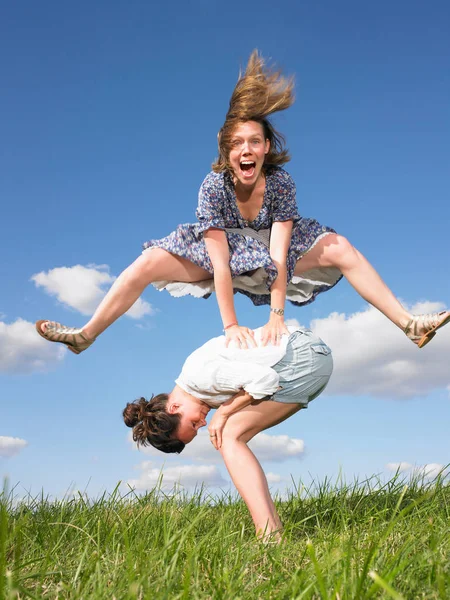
(284, 198)
(211, 199)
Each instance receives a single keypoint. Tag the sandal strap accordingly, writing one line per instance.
(412, 326)
(56, 332)
(427, 322)
(408, 326)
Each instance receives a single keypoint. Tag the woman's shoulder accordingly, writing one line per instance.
(216, 187)
(213, 180)
(278, 176)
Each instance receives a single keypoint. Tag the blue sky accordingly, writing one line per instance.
(108, 121)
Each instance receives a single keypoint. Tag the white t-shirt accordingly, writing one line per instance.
(214, 373)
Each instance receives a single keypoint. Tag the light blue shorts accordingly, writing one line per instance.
(304, 370)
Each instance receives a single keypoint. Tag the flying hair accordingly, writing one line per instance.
(259, 92)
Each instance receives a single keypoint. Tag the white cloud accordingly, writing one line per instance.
(373, 357)
(273, 448)
(273, 478)
(22, 350)
(430, 471)
(187, 476)
(276, 448)
(293, 322)
(200, 449)
(82, 288)
(399, 467)
(139, 309)
(9, 446)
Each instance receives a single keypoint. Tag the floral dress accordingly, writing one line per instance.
(252, 268)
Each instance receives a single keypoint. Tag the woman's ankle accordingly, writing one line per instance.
(89, 332)
(269, 537)
(404, 321)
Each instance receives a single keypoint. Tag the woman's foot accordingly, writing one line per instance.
(75, 339)
(270, 538)
(421, 329)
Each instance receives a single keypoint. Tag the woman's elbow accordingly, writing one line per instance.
(280, 262)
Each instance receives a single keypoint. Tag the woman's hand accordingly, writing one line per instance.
(243, 337)
(215, 428)
(273, 330)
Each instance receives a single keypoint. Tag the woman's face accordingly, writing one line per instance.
(193, 417)
(248, 150)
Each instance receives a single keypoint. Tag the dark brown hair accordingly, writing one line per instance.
(152, 424)
(259, 92)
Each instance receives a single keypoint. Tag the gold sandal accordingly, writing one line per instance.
(430, 323)
(71, 337)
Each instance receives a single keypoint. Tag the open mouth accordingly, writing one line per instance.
(247, 167)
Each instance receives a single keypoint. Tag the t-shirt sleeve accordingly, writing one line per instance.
(285, 201)
(228, 377)
(211, 199)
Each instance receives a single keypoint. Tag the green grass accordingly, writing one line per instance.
(365, 540)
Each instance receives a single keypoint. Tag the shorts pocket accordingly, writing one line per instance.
(321, 348)
(297, 363)
(322, 361)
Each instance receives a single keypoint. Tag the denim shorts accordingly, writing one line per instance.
(304, 370)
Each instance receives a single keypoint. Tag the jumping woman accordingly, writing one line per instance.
(250, 237)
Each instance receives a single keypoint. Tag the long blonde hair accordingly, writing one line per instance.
(259, 92)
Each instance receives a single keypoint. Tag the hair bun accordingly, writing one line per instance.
(152, 424)
(134, 411)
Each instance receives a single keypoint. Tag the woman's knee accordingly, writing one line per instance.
(340, 252)
(233, 435)
(144, 266)
(139, 269)
(231, 447)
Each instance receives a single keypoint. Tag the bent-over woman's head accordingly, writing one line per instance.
(152, 424)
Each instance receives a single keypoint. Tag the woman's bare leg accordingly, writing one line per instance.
(153, 265)
(336, 251)
(243, 466)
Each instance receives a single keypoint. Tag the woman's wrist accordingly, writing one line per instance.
(232, 324)
(275, 317)
(222, 412)
(277, 311)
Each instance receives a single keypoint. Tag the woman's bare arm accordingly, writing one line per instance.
(220, 417)
(217, 247)
(280, 238)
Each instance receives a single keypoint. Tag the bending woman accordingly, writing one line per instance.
(249, 237)
(252, 389)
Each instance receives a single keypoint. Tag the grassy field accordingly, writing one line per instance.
(366, 540)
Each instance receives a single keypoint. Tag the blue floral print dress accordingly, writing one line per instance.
(252, 268)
